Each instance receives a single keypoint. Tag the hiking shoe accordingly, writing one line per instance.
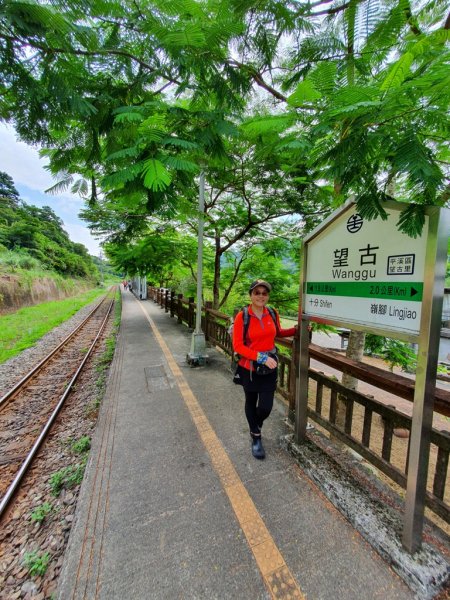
(257, 448)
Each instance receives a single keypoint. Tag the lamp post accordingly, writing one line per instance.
(197, 354)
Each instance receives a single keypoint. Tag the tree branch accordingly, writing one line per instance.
(187, 264)
(233, 279)
(332, 11)
(258, 79)
(319, 3)
(97, 53)
(447, 22)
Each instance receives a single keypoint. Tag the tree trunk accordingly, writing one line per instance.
(355, 351)
(216, 284)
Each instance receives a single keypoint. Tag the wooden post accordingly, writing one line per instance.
(172, 303)
(208, 305)
(166, 301)
(180, 308)
(191, 313)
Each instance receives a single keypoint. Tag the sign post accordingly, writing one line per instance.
(301, 401)
(419, 447)
(369, 276)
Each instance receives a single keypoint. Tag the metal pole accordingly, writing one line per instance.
(301, 400)
(197, 354)
(422, 420)
(201, 208)
(301, 388)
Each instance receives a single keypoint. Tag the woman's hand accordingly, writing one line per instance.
(271, 362)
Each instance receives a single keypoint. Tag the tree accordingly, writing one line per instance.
(8, 192)
(391, 113)
(129, 98)
(38, 232)
(158, 255)
(242, 209)
(365, 119)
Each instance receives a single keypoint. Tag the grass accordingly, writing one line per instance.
(36, 563)
(40, 512)
(72, 475)
(80, 446)
(104, 361)
(22, 329)
(67, 477)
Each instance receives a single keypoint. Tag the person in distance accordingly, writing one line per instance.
(254, 330)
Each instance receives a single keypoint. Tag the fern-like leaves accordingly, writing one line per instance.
(156, 176)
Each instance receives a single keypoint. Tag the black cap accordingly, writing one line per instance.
(259, 282)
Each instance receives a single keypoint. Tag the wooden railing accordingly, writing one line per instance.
(367, 425)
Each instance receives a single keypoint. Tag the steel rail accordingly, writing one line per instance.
(39, 366)
(32, 453)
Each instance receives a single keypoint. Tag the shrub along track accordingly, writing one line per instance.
(35, 527)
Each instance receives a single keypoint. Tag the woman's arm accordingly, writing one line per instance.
(284, 332)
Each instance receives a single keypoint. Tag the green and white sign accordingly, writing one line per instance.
(365, 273)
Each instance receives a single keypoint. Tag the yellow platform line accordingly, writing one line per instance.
(276, 574)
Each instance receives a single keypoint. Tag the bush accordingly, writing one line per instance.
(29, 263)
(19, 259)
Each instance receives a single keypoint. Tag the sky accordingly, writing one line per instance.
(22, 162)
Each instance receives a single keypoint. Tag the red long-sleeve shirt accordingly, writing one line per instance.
(260, 336)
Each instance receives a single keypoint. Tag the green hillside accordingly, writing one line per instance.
(33, 238)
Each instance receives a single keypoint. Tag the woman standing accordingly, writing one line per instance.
(259, 326)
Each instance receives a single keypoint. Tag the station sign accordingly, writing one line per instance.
(365, 273)
(368, 276)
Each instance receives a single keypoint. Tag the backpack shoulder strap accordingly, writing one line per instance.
(273, 315)
(246, 320)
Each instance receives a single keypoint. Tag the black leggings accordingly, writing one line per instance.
(256, 412)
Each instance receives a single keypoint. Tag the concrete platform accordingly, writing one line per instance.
(173, 505)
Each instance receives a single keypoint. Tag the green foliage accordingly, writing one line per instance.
(13, 260)
(131, 102)
(67, 477)
(394, 352)
(8, 193)
(157, 178)
(81, 446)
(21, 329)
(36, 563)
(274, 261)
(443, 370)
(40, 512)
(104, 361)
(35, 238)
(377, 120)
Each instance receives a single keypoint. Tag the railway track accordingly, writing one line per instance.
(29, 409)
